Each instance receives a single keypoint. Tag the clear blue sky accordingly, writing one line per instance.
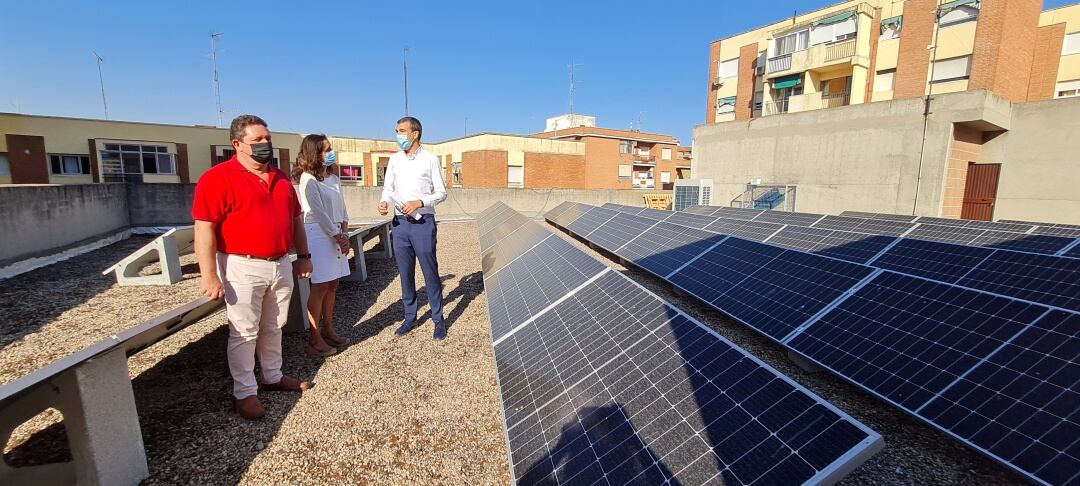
(336, 67)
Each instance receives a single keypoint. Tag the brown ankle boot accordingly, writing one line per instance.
(250, 408)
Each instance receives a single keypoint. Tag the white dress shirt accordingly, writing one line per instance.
(409, 178)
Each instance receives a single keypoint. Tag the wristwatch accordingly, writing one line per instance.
(303, 256)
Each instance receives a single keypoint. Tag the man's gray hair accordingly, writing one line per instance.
(414, 125)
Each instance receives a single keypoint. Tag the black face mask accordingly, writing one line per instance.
(262, 152)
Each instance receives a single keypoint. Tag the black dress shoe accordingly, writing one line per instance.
(404, 329)
(440, 332)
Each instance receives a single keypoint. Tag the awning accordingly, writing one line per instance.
(730, 100)
(953, 5)
(891, 21)
(835, 19)
(787, 81)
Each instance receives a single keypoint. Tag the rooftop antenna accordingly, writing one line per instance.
(405, 68)
(466, 125)
(101, 80)
(572, 67)
(217, 84)
(640, 120)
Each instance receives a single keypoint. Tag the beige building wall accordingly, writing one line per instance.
(1069, 67)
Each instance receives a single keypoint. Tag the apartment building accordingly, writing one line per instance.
(863, 51)
(58, 150)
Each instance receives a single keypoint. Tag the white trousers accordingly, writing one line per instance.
(257, 303)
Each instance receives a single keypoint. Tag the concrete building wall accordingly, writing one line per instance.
(160, 204)
(41, 220)
(470, 202)
(860, 157)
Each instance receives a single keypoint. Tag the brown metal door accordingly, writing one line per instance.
(980, 191)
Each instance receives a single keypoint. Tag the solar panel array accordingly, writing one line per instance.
(1046, 279)
(999, 373)
(602, 382)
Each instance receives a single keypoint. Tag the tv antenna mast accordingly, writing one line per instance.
(217, 84)
(101, 80)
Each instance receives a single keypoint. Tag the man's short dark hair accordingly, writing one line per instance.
(414, 125)
(236, 128)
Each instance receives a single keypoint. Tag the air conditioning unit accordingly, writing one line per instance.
(692, 192)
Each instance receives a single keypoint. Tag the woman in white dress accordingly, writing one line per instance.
(326, 224)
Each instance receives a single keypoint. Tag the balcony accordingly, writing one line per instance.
(779, 63)
(839, 50)
(833, 100)
(775, 107)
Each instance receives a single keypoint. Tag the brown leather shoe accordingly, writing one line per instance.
(288, 383)
(249, 407)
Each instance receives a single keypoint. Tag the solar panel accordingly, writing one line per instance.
(784, 217)
(666, 247)
(947, 234)
(750, 230)
(1040, 278)
(770, 289)
(998, 226)
(612, 385)
(853, 247)
(863, 225)
(620, 230)
(657, 214)
(943, 262)
(513, 245)
(1057, 231)
(842, 223)
(702, 210)
(1018, 241)
(591, 220)
(907, 339)
(689, 219)
(534, 280)
(570, 215)
(556, 211)
(1021, 405)
(905, 218)
(1074, 252)
(737, 213)
(496, 214)
(498, 232)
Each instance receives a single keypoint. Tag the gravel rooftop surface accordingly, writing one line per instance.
(385, 410)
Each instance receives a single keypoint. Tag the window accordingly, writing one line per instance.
(665, 177)
(729, 68)
(725, 105)
(890, 27)
(838, 27)
(761, 63)
(793, 42)
(1071, 44)
(759, 97)
(1068, 89)
(457, 174)
(958, 12)
(352, 173)
(665, 154)
(70, 164)
(883, 81)
(128, 162)
(624, 171)
(5, 166)
(624, 146)
(380, 170)
(951, 69)
(515, 176)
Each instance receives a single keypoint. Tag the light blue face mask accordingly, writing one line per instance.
(403, 141)
(330, 158)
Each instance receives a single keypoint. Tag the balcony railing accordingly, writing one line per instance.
(775, 107)
(779, 63)
(833, 100)
(840, 50)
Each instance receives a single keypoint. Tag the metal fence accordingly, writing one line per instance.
(779, 197)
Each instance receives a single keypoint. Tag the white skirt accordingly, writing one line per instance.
(327, 261)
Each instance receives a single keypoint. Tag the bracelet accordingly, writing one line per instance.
(303, 256)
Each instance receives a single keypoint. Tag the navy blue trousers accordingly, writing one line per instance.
(416, 241)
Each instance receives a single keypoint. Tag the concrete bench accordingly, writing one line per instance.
(92, 390)
(166, 249)
(358, 235)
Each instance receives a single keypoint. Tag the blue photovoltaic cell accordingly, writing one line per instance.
(550, 215)
(691, 220)
(514, 221)
(905, 218)
(1040, 278)
(753, 230)
(592, 219)
(512, 246)
(493, 216)
(571, 214)
(702, 210)
(614, 386)
(1021, 242)
(853, 247)
(737, 213)
(666, 247)
(945, 233)
(907, 339)
(784, 217)
(768, 288)
(657, 214)
(1022, 404)
(535, 280)
(944, 262)
(619, 231)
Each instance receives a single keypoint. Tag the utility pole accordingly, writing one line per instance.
(405, 68)
(572, 67)
(101, 80)
(926, 108)
(217, 84)
(466, 125)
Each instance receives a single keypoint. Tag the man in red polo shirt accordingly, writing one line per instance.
(247, 218)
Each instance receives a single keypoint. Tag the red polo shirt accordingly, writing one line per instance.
(251, 216)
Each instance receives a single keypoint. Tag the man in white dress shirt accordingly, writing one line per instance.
(413, 185)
